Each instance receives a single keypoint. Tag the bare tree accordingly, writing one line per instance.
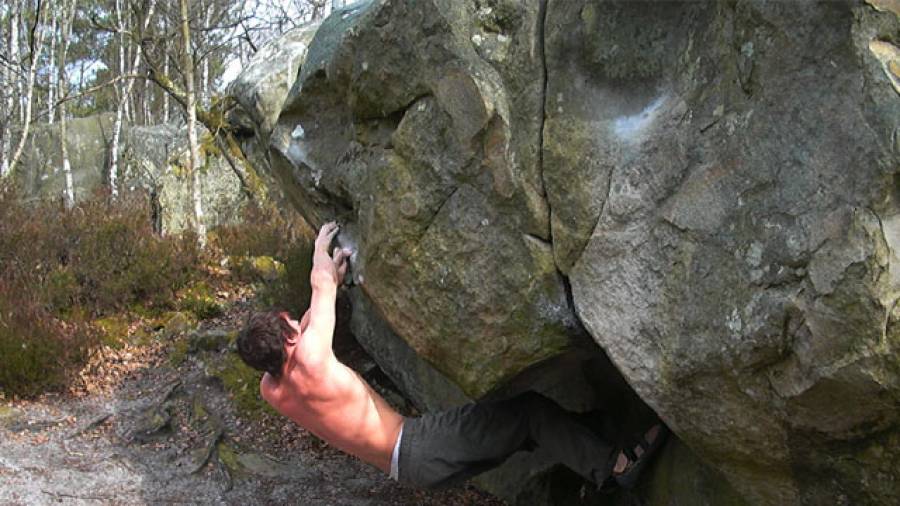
(67, 11)
(10, 76)
(165, 96)
(124, 92)
(38, 33)
(51, 88)
(191, 99)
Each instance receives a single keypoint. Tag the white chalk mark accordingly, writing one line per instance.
(627, 127)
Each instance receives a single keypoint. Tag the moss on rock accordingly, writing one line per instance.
(113, 330)
(211, 340)
(200, 299)
(174, 323)
(229, 457)
(179, 353)
(242, 384)
(258, 268)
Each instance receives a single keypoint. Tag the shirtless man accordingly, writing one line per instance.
(304, 381)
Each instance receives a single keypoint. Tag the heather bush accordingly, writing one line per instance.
(37, 350)
(281, 235)
(119, 261)
(60, 268)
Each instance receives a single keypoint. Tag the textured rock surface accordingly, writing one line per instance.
(40, 172)
(264, 84)
(738, 260)
(398, 126)
(718, 182)
(221, 189)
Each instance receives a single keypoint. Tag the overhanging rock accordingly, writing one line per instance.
(718, 182)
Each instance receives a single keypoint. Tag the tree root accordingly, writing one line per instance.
(210, 451)
(93, 422)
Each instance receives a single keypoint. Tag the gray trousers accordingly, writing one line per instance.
(448, 447)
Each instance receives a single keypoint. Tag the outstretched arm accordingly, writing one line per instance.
(327, 273)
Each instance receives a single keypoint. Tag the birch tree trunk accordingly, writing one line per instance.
(194, 162)
(165, 96)
(124, 92)
(51, 86)
(65, 28)
(20, 84)
(204, 79)
(10, 75)
(36, 50)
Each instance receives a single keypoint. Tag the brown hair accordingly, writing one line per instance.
(260, 343)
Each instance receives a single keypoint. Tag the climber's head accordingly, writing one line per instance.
(261, 342)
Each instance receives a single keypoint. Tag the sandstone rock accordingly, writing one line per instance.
(732, 265)
(151, 424)
(263, 85)
(153, 158)
(412, 150)
(40, 172)
(222, 196)
(211, 340)
(177, 323)
(718, 183)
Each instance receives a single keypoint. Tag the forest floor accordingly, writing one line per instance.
(153, 422)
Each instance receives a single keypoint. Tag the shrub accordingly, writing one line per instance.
(280, 235)
(59, 269)
(199, 298)
(102, 255)
(118, 260)
(263, 231)
(37, 351)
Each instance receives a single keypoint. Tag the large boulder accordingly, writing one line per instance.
(400, 129)
(40, 169)
(263, 84)
(157, 158)
(717, 182)
(153, 158)
(734, 245)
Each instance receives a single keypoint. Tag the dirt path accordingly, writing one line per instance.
(160, 433)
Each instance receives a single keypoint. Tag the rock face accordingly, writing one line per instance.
(264, 84)
(739, 257)
(717, 182)
(157, 159)
(40, 173)
(417, 153)
(154, 158)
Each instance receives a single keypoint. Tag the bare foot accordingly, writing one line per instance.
(622, 461)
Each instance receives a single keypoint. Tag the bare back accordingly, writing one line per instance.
(337, 405)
